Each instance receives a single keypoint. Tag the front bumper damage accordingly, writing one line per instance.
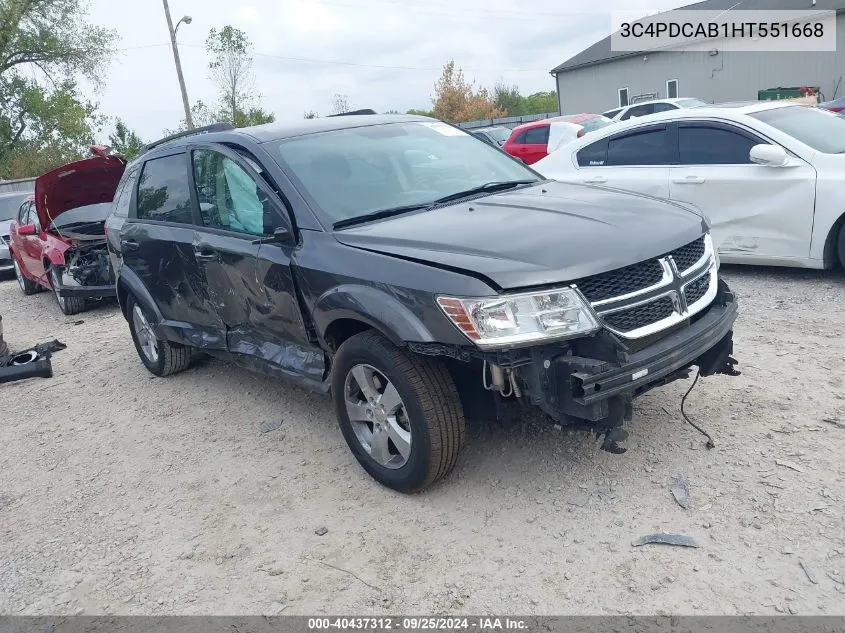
(590, 383)
(87, 273)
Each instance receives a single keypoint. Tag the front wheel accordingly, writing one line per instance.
(68, 305)
(27, 287)
(400, 415)
(840, 246)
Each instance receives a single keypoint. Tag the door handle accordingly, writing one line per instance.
(688, 180)
(597, 180)
(129, 245)
(205, 254)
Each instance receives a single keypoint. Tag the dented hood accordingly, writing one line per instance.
(89, 181)
(544, 234)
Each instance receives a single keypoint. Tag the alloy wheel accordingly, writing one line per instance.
(19, 275)
(146, 337)
(378, 416)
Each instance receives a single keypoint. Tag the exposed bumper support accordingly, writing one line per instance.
(87, 292)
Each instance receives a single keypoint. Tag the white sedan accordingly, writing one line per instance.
(770, 176)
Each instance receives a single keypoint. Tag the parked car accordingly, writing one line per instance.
(654, 106)
(495, 135)
(317, 251)
(529, 142)
(57, 238)
(10, 203)
(769, 175)
(835, 105)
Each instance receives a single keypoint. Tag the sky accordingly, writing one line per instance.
(382, 54)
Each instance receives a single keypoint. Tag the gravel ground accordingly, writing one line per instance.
(121, 493)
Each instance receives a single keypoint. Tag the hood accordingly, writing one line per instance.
(544, 234)
(89, 181)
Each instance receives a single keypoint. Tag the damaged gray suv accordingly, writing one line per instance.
(416, 273)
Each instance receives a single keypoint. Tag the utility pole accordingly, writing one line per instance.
(187, 20)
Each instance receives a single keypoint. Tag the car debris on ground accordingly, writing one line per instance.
(30, 363)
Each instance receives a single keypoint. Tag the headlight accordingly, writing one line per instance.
(520, 318)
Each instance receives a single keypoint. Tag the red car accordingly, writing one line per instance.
(529, 141)
(58, 239)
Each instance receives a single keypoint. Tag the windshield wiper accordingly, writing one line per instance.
(378, 215)
(488, 187)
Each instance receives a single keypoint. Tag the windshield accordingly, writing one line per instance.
(689, 103)
(823, 131)
(9, 205)
(591, 125)
(358, 171)
(87, 220)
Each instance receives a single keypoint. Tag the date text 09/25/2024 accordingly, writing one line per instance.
(417, 624)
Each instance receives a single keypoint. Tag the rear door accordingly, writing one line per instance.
(157, 244)
(637, 160)
(756, 210)
(250, 284)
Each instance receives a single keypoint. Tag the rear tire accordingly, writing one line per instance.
(27, 287)
(160, 357)
(840, 246)
(68, 305)
(409, 424)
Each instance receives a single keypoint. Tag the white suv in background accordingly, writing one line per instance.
(651, 107)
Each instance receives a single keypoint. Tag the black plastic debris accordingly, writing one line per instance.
(30, 363)
(665, 538)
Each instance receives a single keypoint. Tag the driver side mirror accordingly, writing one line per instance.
(768, 155)
(27, 229)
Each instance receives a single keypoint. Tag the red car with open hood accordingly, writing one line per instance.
(58, 238)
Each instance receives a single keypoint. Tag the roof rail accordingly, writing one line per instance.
(365, 111)
(214, 127)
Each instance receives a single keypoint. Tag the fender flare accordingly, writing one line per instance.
(373, 306)
(129, 283)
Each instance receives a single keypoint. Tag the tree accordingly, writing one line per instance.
(310, 114)
(541, 102)
(420, 112)
(45, 47)
(508, 99)
(124, 141)
(340, 104)
(230, 67)
(457, 100)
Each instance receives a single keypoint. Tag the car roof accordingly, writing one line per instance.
(669, 100)
(488, 128)
(577, 118)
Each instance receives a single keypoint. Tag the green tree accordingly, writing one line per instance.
(420, 112)
(230, 66)
(508, 99)
(124, 141)
(541, 102)
(45, 47)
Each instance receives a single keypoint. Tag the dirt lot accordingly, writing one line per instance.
(123, 493)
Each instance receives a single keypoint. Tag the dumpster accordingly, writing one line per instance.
(775, 94)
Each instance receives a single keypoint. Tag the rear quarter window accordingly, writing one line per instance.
(593, 155)
(123, 198)
(163, 191)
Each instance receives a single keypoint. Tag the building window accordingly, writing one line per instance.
(672, 89)
(623, 97)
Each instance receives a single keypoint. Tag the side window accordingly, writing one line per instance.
(594, 155)
(228, 196)
(520, 140)
(537, 135)
(649, 147)
(23, 213)
(33, 217)
(705, 145)
(124, 196)
(612, 113)
(664, 107)
(640, 110)
(163, 192)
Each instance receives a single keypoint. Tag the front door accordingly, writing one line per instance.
(755, 210)
(31, 247)
(157, 244)
(250, 284)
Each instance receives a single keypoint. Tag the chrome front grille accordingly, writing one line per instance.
(645, 298)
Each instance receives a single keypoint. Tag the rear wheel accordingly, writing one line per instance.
(160, 357)
(27, 287)
(400, 415)
(840, 247)
(68, 305)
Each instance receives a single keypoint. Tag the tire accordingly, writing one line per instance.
(840, 246)
(27, 287)
(68, 305)
(428, 421)
(168, 358)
